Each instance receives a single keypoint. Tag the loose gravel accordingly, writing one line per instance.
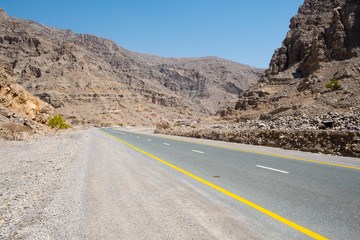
(39, 187)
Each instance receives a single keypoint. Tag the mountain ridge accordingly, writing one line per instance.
(309, 97)
(81, 73)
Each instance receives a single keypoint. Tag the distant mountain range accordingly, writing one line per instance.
(92, 80)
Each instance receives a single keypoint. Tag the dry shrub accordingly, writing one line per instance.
(15, 131)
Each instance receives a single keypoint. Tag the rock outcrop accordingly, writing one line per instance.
(93, 80)
(20, 111)
(323, 44)
(323, 31)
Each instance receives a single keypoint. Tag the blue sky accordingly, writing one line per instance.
(243, 31)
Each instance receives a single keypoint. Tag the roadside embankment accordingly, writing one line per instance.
(346, 143)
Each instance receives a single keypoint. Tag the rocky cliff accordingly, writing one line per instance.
(92, 80)
(322, 47)
(323, 31)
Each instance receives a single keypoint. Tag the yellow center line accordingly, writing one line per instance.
(253, 205)
(250, 151)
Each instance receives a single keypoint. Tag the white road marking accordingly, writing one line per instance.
(272, 169)
(149, 140)
(197, 151)
(167, 144)
(137, 137)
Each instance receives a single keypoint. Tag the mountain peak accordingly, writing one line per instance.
(3, 14)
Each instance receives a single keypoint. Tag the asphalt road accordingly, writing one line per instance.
(294, 198)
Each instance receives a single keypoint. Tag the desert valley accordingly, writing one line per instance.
(312, 84)
(99, 142)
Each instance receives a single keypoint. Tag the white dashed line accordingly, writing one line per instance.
(137, 137)
(272, 169)
(197, 151)
(167, 144)
(149, 140)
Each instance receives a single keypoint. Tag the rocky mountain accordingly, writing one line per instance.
(316, 70)
(92, 80)
(20, 111)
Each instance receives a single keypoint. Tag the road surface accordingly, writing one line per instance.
(248, 194)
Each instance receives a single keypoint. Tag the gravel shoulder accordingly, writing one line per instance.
(85, 185)
(41, 182)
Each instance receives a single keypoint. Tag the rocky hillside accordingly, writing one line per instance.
(309, 98)
(316, 70)
(91, 79)
(20, 112)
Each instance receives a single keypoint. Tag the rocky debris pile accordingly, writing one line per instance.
(15, 127)
(333, 133)
(329, 121)
(346, 143)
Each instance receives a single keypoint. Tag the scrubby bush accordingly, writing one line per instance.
(334, 84)
(58, 122)
(163, 125)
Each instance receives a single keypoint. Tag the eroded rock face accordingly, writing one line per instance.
(321, 32)
(16, 99)
(91, 79)
(20, 110)
(323, 44)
